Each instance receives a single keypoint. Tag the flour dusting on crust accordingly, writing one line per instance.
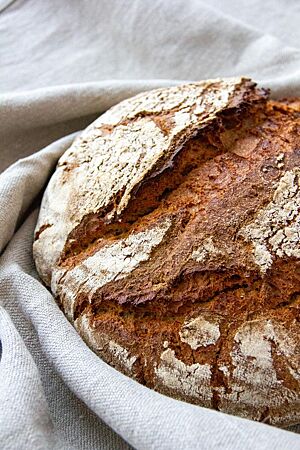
(276, 229)
(254, 380)
(192, 380)
(102, 343)
(112, 262)
(117, 152)
(207, 250)
(199, 332)
(152, 233)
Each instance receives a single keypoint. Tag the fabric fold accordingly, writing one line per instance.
(61, 66)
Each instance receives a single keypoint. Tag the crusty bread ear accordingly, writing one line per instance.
(170, 236)
(129, 143)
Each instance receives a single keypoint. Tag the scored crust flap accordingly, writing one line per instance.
(130, 143)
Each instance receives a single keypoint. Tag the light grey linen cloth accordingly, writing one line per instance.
(62, 63)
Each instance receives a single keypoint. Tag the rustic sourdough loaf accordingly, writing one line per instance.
(169, 234)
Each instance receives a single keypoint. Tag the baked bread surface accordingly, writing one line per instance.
(169, 234)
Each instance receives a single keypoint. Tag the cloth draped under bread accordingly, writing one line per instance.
(61, 65)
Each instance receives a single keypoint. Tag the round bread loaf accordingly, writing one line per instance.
(169, 234)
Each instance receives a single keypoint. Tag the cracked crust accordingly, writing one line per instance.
(276, 227)
(173, 223)
(132, 141)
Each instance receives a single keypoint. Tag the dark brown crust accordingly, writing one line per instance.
(229, 288)
(107, 221)
(215, 184)
(231, 190)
